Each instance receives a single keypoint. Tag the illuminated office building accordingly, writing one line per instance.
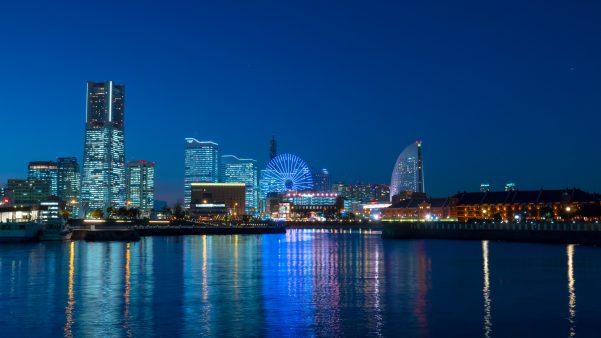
(46, 171)
(242, 170)
(68, 179)
(103, 176)
(321, 181)
(201, 165)
(140, 186)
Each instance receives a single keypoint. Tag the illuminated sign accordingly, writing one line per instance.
(210, 205)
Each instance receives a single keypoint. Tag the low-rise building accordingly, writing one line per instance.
(310, 205)
(510, 205)
(214, 200)
(421, 208)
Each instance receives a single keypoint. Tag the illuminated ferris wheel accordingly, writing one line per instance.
(287, 172)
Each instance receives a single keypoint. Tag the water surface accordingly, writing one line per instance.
(303, 283)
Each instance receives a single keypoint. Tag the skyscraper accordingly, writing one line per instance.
(68, 179)
(46, 171)
(103, 177)
(140, 186)
(242, 170)
(321, 180)
(407, 174)
(201, 165)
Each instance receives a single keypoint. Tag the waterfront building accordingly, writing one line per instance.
(510, 187)
(27, 192)
(49, 210)
(514, 205)
(19, 213)
(103, 177)
(140, 186)
(507, 206)
(421, 208)
(215, 200)
(298, 205)
(321, 180)
(285, 172)
(44, 170)
(201, 164)
(484, 187)
(242, 170)
(407, 174)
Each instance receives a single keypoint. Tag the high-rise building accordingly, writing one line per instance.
(485, 187)
(140, 186)
(46, 171)
(201, 164)
(68, 179)
(242, 170)
(407, 175)
(103, 176)
(321, 180)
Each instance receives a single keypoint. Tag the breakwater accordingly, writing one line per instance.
(128, 235)
(334, 225)
(538, 232)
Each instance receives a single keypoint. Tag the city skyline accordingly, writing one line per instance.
(500, 96)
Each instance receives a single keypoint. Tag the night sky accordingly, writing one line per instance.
(497, 90)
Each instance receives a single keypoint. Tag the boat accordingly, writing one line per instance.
(56, 230)
(20, 231)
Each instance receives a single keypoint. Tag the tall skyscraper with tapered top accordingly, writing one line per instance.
(103, 175)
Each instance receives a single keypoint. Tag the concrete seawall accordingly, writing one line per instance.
(564, 233)
(187, 230)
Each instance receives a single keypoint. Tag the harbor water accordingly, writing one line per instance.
(302, 283)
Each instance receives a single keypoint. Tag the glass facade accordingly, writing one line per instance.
(201, 165)
(242, 170)
(407, 173)
(46, 171)
(103, 177)
(140, 186)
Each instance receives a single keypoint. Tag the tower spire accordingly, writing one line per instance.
(273, 148)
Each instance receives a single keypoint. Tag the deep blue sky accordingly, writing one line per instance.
(497, 90)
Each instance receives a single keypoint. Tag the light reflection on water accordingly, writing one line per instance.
(571, 290)
(486, 291)
(303, 283)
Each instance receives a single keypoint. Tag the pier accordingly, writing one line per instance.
(132, 230)
(586, 233)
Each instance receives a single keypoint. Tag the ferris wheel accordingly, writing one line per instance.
(287, 172)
